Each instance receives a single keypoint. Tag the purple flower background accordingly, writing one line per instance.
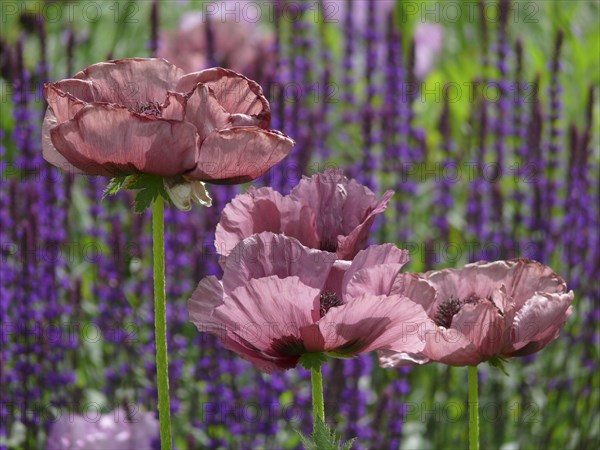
(508, 171)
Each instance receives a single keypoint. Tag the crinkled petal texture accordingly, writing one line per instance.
(241, 97)
(269, 306)
(368, 323)
(111, 431)
(326, 211)
(110, 140)
(239, 155)
(265, 254)
(131, 81)
(146, 116)
(484, 310)
(345, 210)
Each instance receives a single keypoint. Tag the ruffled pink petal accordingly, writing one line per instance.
(540, 319)
(204, 111)
(49, 152)
(450, 346)
(418, 289)
(299, 221)
(267, 254)
(67, 97)
(254, 315)
(260, 210)
(374, 256)
(255, 211)
(335, 280)
(473, 279)
(132, 81)
(327, 193)
(520, 277)
(201, 306)
(261, 361)
(173, 108)
(358, 238)
(525, 277)
(369, 323)
(447, 283)
(344, 210)
(376, 280)
(483, 325)
(495, 324)
(239, 155)
(265, 313)
(109, 140)
(237, 94)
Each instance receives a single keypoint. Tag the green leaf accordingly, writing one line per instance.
(114, 186)
(131, 180)
(340, 355)
(312, 360)
(324, 438)
(149, 187)
(498, 363)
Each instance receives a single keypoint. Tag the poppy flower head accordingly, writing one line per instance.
(146, 116)
(279, 299)
(485, 311)
(327, 212)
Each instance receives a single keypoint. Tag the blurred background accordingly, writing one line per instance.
(482, 116)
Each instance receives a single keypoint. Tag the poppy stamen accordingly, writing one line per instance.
(329, 300)
(148, 109)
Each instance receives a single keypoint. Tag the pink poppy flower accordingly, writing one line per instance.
(114, 431)
(279, 299)
(136, 115)
(484, 311)
(326, 212)
(240, 42)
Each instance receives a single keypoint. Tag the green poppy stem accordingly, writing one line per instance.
(317, 396)
(473, 409)
(160, 323)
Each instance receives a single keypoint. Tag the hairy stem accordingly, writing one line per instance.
(473, 409)
(160, 323)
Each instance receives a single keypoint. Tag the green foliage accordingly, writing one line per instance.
(324, 438)
(340, 355)
(148, 187)
(312, 361)
(114, 186)
(520, 411)
(498, 363)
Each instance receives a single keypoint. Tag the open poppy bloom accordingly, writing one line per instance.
(237, 43)
(279, 299)
(327, 212)
(147, 116)
(485, 310)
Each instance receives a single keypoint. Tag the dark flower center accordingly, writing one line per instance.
(148, 109)
(448, 309)
(329, 245)
(288, 346)
(329, 300)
